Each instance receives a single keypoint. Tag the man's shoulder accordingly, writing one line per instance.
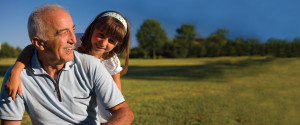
(82, 55)
(85, 59)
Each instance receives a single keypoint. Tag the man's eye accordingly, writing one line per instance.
(63, 32)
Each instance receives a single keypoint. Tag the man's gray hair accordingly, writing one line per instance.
(36, 26)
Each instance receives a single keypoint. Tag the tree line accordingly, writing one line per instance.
(154, 43)
(7, 51)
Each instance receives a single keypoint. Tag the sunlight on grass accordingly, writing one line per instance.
(244, 90)
(7, 61)
(218, 91)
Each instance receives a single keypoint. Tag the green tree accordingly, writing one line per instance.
(295, 48)
(230, 49)
(136, 52)
(168, 50)
(216, 41)
(151, 37)
(7, 51)
(184, 40)
(254, 46)
(242, 47)
(277, 47)
(197, 50)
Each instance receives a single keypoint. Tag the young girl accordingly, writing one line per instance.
(107, 36)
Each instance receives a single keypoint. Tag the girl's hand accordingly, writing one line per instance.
(12, 85)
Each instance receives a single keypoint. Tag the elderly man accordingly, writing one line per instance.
(60, 86)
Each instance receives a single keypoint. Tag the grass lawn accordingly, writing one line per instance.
(213, 91)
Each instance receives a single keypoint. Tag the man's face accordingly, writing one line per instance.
(61, 38)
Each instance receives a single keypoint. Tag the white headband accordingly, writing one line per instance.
(117, 16)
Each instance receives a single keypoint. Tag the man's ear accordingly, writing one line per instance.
(38, 43)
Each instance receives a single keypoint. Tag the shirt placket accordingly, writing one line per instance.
(58, 90)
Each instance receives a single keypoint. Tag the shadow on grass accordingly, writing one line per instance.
(195, 72)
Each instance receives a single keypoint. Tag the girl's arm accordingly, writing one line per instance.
(13, 83)
(117, 80)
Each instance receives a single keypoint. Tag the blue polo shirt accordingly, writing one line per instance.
(69, 100)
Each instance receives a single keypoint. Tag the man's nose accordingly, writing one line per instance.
(72, 38)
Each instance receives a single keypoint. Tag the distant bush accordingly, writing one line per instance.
(7, 51)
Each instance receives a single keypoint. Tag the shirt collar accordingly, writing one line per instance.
(38, 69)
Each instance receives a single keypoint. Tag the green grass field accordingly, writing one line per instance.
(211, 91)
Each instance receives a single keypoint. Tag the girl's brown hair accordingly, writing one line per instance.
(113, 28)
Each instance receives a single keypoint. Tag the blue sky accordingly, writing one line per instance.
(261, 19)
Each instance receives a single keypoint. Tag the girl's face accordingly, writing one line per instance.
(101, 43)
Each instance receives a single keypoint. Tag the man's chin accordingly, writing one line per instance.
(69, 58)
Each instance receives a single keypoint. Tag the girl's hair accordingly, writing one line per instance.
(112, 28)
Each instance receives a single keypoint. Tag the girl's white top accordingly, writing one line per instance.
(113, 66)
